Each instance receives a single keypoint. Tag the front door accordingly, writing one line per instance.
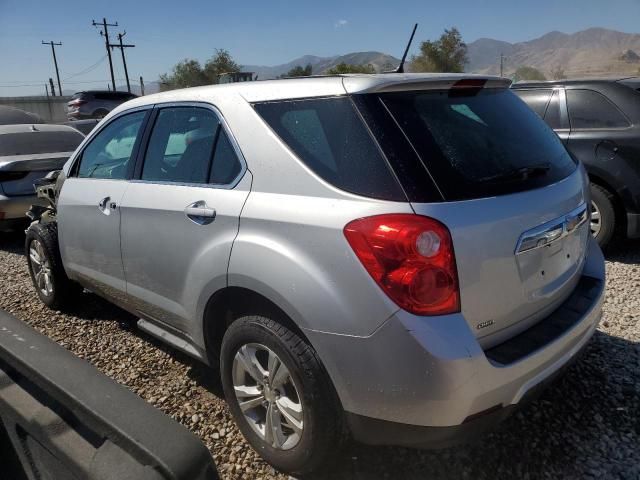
(89, 206)
(181, 214)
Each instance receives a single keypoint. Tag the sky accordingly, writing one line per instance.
(260, 32)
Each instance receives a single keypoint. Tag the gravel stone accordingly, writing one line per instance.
(587, 425)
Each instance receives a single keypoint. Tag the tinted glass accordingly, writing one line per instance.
(181, 145)
(226, 165)
(589, 109)
(27, 143)
(537, 99)
(330, 138)
(480, 143)
(110, 152)
(552, 117)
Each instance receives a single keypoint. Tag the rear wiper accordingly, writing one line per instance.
(522, 173)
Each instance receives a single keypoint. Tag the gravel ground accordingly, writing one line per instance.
(586, 426)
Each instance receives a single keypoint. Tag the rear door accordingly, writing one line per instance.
(181, 213)
(89, 205)
(598, 127)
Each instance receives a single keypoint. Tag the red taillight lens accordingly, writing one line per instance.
(411, 258)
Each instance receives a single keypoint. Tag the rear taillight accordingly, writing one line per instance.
(411, 258)
(76, 103)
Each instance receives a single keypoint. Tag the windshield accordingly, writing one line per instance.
(27, 143)
(479, 143)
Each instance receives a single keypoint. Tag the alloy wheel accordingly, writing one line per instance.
(268, 396)
(41, 268)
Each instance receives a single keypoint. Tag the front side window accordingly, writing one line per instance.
(589, 109)
(189, 145)
(330, 138)
(109, 154)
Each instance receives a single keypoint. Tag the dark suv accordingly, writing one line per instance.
(95, 104)
(599, 122)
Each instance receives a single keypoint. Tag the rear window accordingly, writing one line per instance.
(479, 143)
(330, 138)
(28, 143)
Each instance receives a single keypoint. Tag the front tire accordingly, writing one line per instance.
(603, 215)
(45, 266)
(280, 396)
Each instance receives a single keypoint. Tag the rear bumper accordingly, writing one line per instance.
(13, 210)
(429, 381)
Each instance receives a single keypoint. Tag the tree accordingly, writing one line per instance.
(557, 73)
(189, 72)
(349, 68)
(447, 54)
(221, 62)
(528, 73)
(298, 71)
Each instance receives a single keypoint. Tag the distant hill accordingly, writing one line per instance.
(588, 53)
(380, 61)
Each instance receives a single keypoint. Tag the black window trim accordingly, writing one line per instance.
(137, 172)
(77, 157)
(608, 100)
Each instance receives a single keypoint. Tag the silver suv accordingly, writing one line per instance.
(400, 258)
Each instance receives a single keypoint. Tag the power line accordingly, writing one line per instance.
(105, 34)
(88, 69)
(55, 62)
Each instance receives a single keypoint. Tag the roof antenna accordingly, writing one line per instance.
(400, 68)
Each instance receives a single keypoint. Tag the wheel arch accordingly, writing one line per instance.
(231, 303)
(618, 203)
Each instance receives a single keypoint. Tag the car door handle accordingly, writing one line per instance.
(106, 206)
(200, 213)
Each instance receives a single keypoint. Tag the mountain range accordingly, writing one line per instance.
(588, 53)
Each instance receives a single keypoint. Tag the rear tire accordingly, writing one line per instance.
(603, 215)
(307, 392)
(52, 285)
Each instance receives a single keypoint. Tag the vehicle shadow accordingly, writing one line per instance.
(586, 420)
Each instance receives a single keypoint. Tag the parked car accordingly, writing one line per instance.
(15, 116)
(599, 122)
(28, 153)
(95, 103)
(403, 257)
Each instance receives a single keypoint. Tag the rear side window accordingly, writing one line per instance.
(537, 99)
(589, 109)
(480, 143)
(330, 138)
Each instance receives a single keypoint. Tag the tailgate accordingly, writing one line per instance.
(519, 256)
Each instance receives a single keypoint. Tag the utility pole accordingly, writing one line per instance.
(502, 58)
(141, 86)
(53, 89)
(55, 62)
(105, 33)
(124, 61)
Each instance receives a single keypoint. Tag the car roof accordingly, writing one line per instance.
(317, 86)
(573, 81)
